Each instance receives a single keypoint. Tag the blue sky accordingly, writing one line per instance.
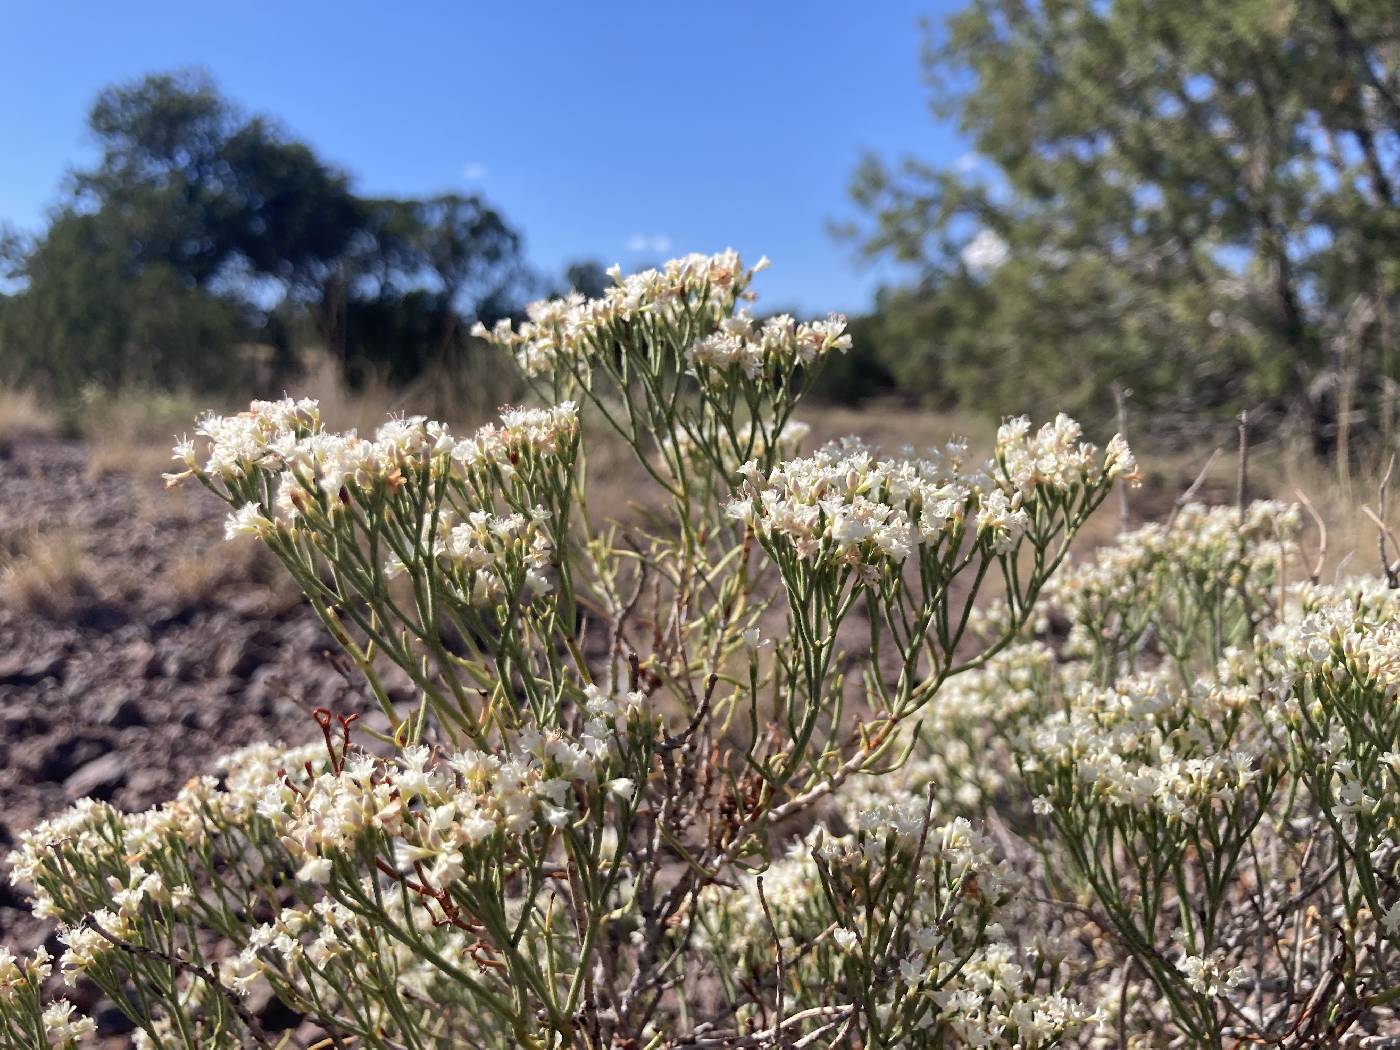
(620, 131)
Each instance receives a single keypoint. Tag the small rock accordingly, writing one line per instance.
(265, 688)
(195, 717)
(121, 712)
(99, 779)
(100, 616)
(110, 1020)
(143, 659)
(146, 787)
(18, 669)
(239, 658)
(21, 721)
(250, 603)
(179, 663)
(215, 689)
(63, 757)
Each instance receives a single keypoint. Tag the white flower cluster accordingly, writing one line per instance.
(21, 1003)
(286, 438)
(318, 950)
(1337, 641)
(64, 1026)
(522, 432)
(437, 813)
(1148, 744)
(1337, 674)
(16, 975)
(993, 1004)
(568, 332)
(96, 860)
(1371, 598)
(845, 504)
(482, 512)
(1056, 457)
(485, 553)
(1165, 577)
(775, 347)
(240, 443)
(331, 928)
(1210, 975)
(957, 976)
(84, 945)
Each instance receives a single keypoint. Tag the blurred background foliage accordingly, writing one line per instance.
(1194, 203)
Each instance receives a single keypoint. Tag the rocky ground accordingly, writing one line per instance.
(156, 648)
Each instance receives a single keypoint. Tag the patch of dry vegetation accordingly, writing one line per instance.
(45, 573)
(129, 434)
(21, 416)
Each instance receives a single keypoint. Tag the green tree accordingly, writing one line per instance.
(1196, 201)
(160, 263)
(91, 316)
(418, 275)
(588, 277)
(148, 271)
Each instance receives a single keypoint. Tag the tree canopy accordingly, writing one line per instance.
(1196, 201)
(201, 230)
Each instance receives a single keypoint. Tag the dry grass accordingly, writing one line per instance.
(194, 578)
(45, 573)
(21, 416)
(436, 395)
(891, 425)
(131, 433)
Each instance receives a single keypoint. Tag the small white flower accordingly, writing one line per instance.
(247, 520)
(1390, 921)
(317, 870)
(622, 787)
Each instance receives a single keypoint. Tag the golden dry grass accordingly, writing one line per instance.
(21, 416)
(45, 573)
(132, 433)
(193, 576)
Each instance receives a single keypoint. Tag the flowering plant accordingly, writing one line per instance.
(744, 775)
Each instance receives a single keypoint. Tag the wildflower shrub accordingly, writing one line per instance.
(835, 750)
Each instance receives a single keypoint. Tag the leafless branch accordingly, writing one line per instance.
(1190, 493)
(782, 965)
(1242, 478)
(833, 1015)
(1383, 533)
(1307, 505)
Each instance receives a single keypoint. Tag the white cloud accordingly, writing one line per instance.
(968, 162)
(985, 252)
(474, 171)
(656, 243)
